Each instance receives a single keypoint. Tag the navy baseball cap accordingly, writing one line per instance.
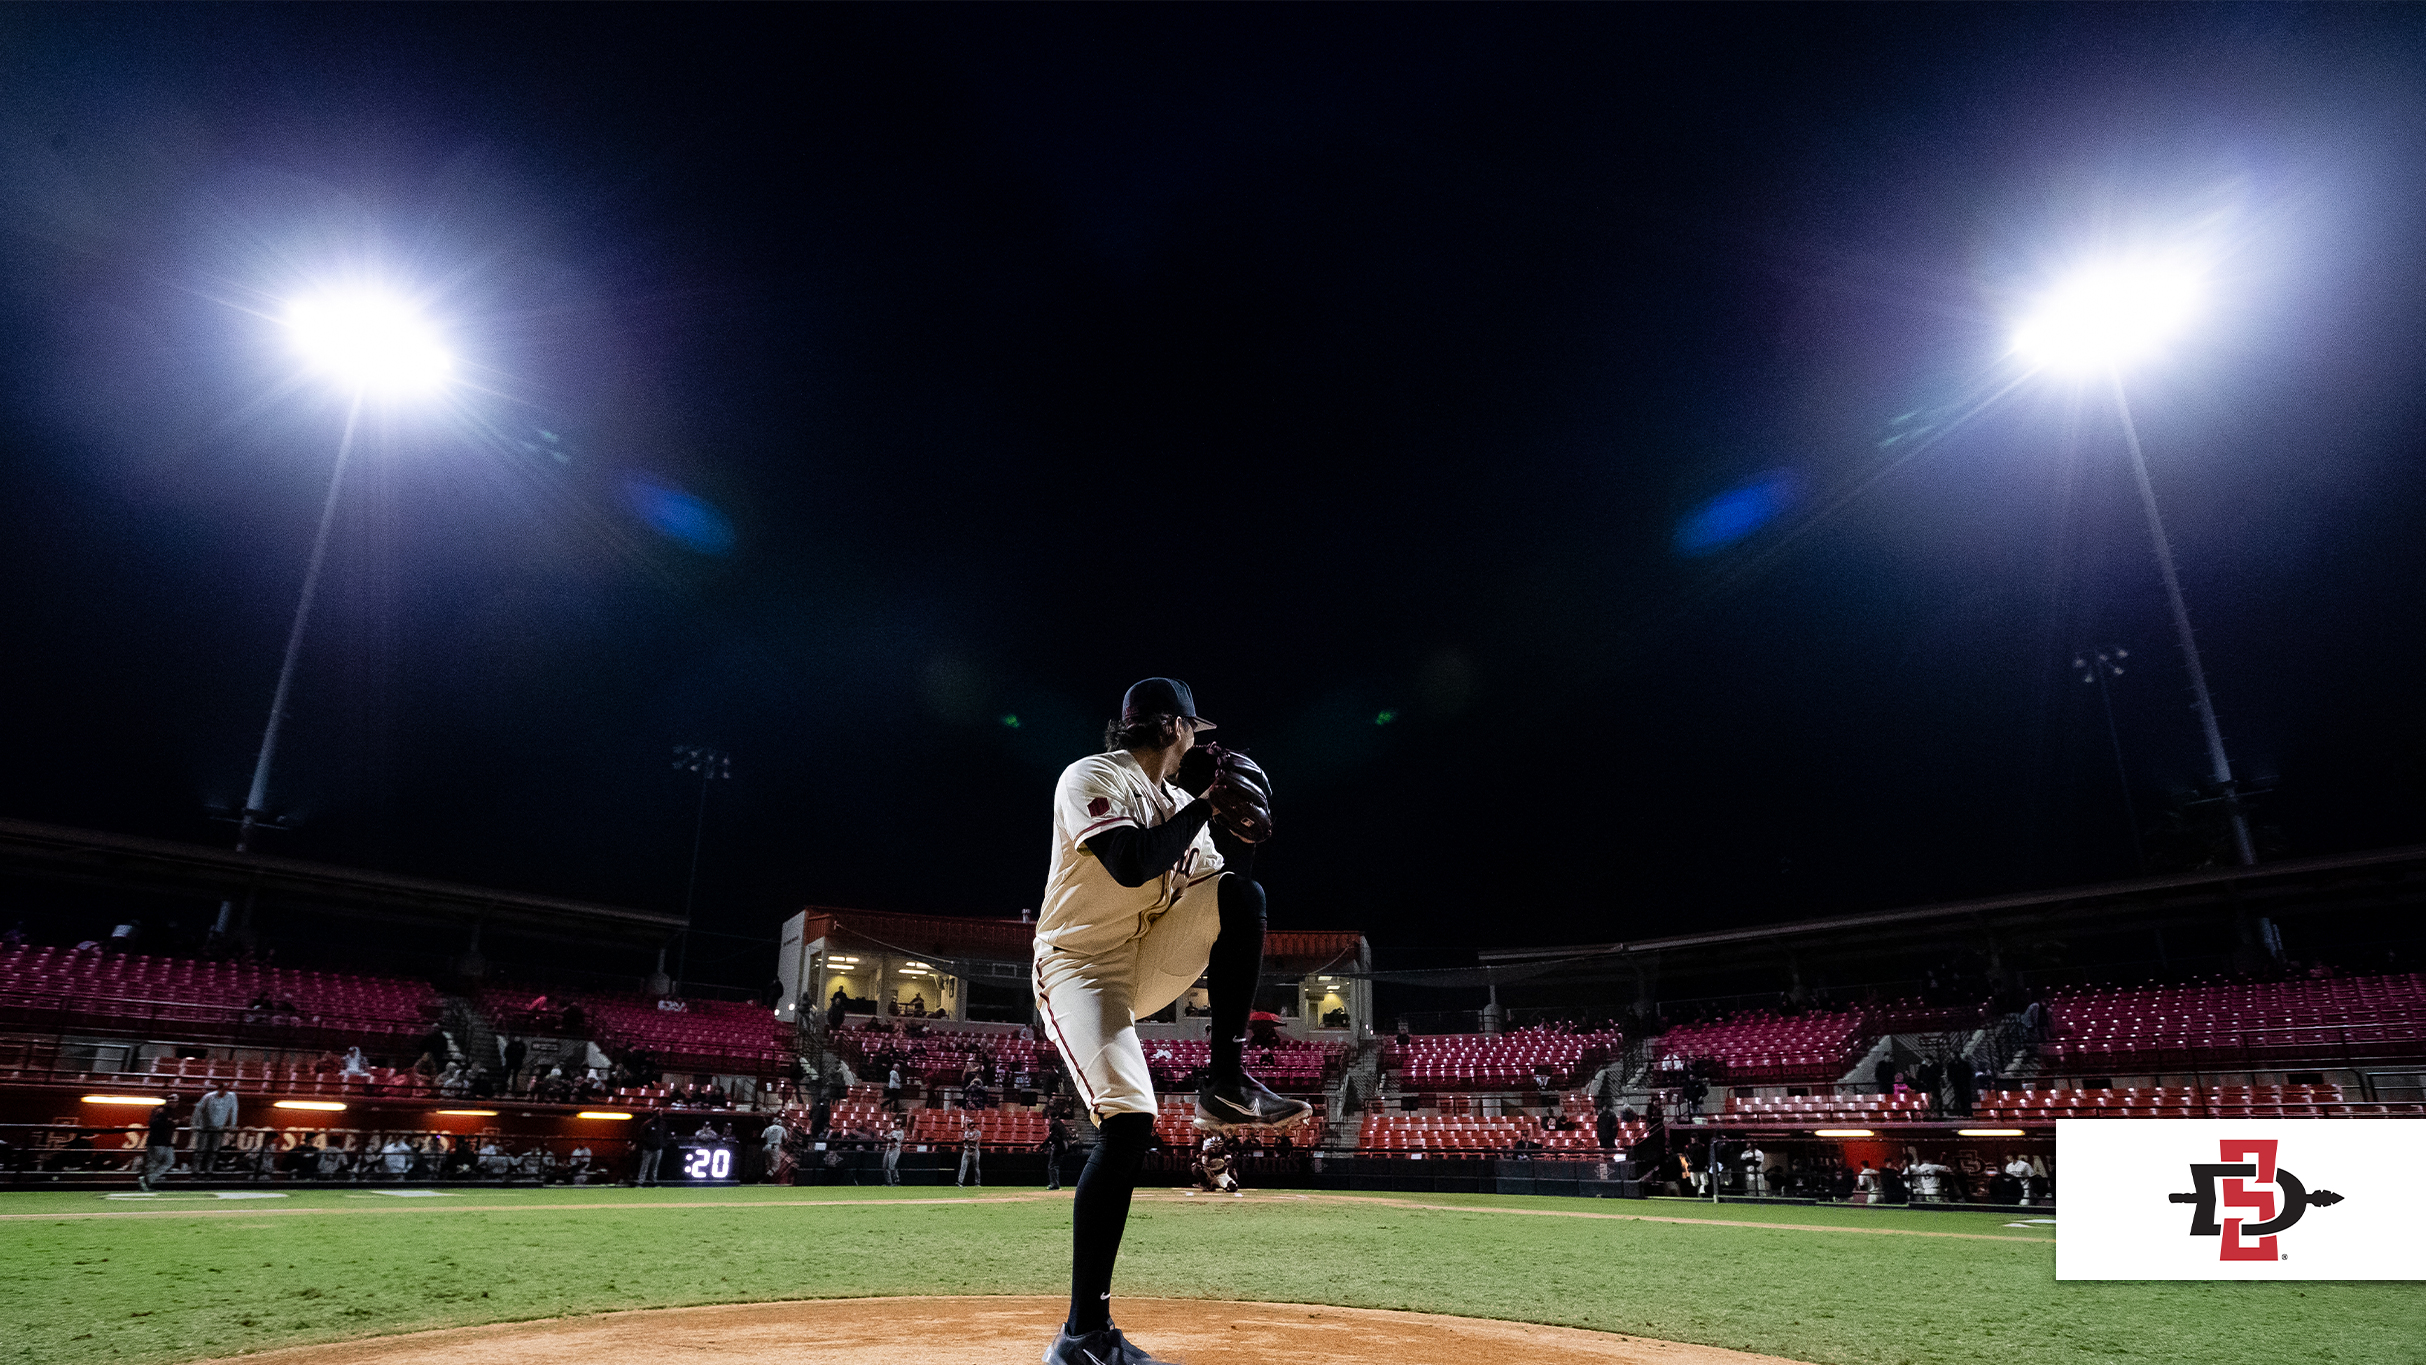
(1160, 697)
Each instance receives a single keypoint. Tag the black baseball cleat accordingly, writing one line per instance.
(1224, 1105)
(1107, 1347)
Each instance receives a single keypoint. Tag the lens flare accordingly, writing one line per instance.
(1737, 513)
(678, 516)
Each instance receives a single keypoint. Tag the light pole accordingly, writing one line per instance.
(2093, 324)
(370, 343)
(2095, 667)
(711, 765)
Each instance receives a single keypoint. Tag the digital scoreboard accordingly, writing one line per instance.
(698, 1161)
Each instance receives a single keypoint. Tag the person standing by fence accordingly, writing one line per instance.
(214, 1116)
(159, 1144)
(972, 1141)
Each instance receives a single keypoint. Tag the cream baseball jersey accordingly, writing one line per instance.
(1085, 911)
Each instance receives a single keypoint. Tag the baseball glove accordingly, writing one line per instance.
(1241, 793)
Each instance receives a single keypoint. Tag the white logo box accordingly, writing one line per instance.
(2118, 1221)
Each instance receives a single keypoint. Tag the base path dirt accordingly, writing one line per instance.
(998, 1331)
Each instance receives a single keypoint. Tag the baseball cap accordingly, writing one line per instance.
(1160, 697)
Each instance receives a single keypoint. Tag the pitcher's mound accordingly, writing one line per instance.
(1003, 1331)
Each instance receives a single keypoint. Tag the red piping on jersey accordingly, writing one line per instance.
(1100, 826)
(1068, 1053)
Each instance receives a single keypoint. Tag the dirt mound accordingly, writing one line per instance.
(995, 1331)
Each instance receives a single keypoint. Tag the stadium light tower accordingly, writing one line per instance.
(711, 765)
(2094, 323)
(372, 344)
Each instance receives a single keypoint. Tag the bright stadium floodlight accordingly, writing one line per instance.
(370, 341)
(2107, 315)
(373, 343)
(2092, 324)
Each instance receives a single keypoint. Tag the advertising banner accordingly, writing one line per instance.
(2233, 1199)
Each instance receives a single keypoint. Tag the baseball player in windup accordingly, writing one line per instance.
(1149, 890)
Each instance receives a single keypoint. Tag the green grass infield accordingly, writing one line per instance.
(186, 1275)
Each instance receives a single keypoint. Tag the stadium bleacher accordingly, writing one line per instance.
(2185, 1102)
(733, 1037)
(1478, 1061)
(1413, 1134)
(1762, 1047)
(1176, 1126)
(940, 1057)
(208, 1000)
(2238, 1024)
(1831, 1109)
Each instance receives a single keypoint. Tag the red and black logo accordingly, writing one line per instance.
(1099, 806)
(2247, 1162)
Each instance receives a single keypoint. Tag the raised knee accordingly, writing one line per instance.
(1242, 902)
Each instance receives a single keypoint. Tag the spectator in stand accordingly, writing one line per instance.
(1902, 1086)
(214, 1117)
(975, 1095)
(515, 1051)
(355, 1063)
(1866, 1184)
(834, 1010)
(397, 1157)
(302, 1161)
(461, 1161)
(770, 1149)
(892, 1153)
(451, 1082)
(1884, 1074)
(159, 1144)
(1960, 1088)
(436, 1051)
(577, 1168)
(821, 1116)
(494, 1163)
(430, 1162)
(1604, 1126)
(650, 1142)
(892, 1088)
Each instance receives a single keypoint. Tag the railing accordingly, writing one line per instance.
(2278, 1048)
(94, 1013)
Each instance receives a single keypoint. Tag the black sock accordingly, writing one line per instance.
(1236, 962)
(1099, 1212)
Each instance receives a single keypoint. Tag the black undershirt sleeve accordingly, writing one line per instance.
(1136, 856)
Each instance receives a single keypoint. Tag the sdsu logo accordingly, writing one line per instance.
(2250, 1237)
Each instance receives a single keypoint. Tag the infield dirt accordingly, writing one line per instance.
(998, 1330)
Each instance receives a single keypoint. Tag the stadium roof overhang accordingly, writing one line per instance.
(125, 862)
(2393, 879)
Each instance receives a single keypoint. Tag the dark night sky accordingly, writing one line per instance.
(1342, 360)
